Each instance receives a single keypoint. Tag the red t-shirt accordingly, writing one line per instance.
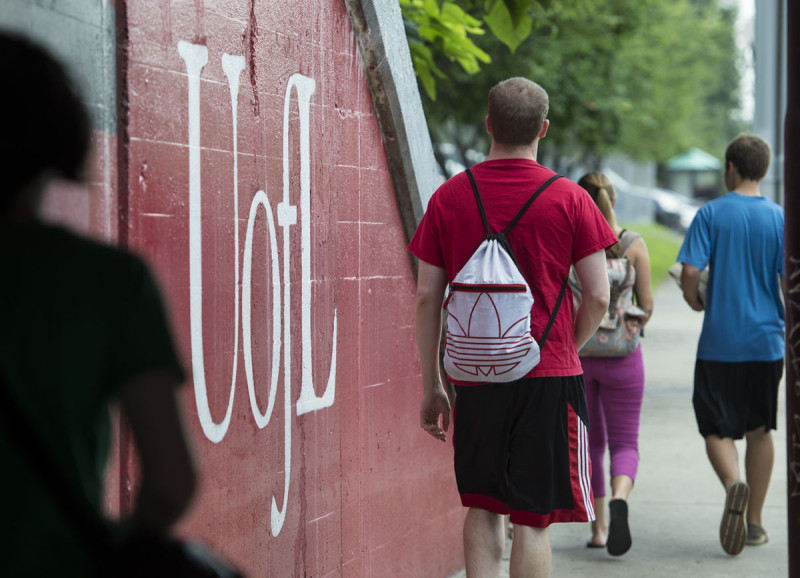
(562, 226)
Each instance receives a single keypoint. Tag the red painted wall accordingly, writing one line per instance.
(369, 494)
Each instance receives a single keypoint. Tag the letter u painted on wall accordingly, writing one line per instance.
(299, 90)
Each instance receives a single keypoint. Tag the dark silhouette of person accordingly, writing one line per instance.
(82, 327)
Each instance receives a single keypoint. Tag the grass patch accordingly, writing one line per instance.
(663, 245)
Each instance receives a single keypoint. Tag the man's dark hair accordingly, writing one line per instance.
(45, 126)
(750, 155)
(517, 110)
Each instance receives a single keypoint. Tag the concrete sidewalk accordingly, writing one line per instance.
(677, 503)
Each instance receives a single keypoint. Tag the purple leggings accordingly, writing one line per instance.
(614, 390)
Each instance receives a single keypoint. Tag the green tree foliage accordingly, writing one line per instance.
(441, 29)
(645, 78)
(679, 73)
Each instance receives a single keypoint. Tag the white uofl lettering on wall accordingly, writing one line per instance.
(308, 400)
(195, 58)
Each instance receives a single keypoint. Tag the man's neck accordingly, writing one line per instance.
(747, 188)
(500, 151)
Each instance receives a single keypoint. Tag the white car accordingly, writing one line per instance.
(673, 209)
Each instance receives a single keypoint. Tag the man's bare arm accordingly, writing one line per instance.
(690, 283)
(592, 274)
(431, 284)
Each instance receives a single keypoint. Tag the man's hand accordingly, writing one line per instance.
(690, 282)
(697, 305)
(435, 404)
(431, 284)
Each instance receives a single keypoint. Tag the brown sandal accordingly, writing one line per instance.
(733, 529)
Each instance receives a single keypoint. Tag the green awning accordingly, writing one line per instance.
(694, 159)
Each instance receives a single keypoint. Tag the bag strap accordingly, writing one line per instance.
(626, 239)
(524, 208)
(74, 505)
(480, 203)
(552, 319)
(519, 214)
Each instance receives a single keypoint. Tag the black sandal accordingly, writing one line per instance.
(619, 534)
(589, 544)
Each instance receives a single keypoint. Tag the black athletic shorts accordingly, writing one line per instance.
(733, 398)
(521, 448)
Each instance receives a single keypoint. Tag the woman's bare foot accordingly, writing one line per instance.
(599, 537)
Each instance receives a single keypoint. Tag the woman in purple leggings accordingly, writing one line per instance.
(614, 390)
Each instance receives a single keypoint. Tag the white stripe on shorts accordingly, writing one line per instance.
(584, 468)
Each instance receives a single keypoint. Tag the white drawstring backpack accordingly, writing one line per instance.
(488, 337)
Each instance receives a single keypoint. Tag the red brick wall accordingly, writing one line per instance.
(321, 473)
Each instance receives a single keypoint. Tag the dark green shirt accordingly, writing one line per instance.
(77, 319)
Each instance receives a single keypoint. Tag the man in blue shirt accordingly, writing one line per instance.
(740, 353)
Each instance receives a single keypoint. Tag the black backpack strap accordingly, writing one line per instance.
(524, 208)
(553, 314)
(480, 203)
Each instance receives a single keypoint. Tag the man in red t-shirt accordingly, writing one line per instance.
(520, 447)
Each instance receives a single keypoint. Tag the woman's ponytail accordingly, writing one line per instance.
(603, 194)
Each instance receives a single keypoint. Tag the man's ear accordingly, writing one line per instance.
(488, 126)
(545, 126)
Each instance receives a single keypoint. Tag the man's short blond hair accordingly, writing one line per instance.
(517, 110)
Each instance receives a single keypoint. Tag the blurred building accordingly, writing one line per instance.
(695, 174)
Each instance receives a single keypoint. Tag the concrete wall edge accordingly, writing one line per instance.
(379, 30)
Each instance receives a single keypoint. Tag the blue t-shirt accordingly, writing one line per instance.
(741, 238)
